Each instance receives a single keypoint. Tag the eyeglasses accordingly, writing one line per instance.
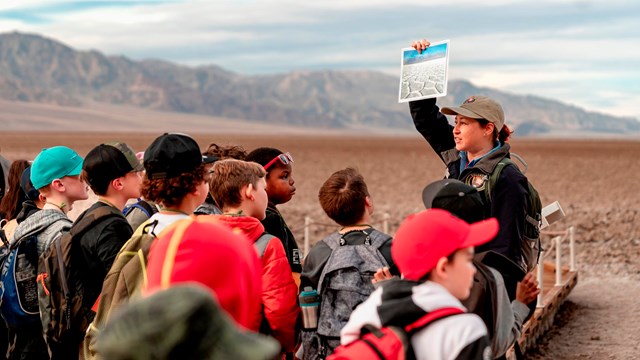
(285, 158)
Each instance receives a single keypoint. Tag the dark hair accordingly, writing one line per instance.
(263, 155)
(12, 200)
(170, 192)
(503, 135)
(226, 152)
(343, 196)
(229, 177)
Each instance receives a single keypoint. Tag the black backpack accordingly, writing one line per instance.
(531, 245)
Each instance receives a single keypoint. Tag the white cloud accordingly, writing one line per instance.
(574, 51)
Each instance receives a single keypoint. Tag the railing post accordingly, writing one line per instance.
(541, 279)
(307, 225)
(572, 248)
(558, 240)
(385, 223)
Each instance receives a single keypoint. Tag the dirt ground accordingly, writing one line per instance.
(594, 181)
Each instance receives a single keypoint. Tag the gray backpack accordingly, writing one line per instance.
(345, 283)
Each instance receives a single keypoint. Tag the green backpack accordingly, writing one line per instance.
(531, 244)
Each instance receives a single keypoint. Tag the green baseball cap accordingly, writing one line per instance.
(54, 163)
(479, 107)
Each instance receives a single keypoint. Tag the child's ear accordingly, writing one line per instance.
(58, 185)
(248, 192)
(117, 183)
(441, 268)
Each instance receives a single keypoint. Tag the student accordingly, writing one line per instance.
(175, 178)
(200, 330)
(115, 175)
(55, 173)
(280, 188)
(11, 204)
(505, 324)
(471, 151)
(209, 207)
(239, 189)
(329, 269)
(434, 251)
(201, 250)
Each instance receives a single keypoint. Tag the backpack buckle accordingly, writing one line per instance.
(367, 240)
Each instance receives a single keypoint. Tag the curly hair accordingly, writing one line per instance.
(170, 192)
(226, 152)
(343, 196)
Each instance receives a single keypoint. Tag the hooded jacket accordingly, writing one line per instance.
(401, 302)
(47, 224)
(279, 290)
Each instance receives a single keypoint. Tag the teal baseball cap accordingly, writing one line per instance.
(54, 163)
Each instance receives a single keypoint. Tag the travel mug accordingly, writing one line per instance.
(309, 303)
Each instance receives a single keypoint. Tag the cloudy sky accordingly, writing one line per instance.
(584, 52)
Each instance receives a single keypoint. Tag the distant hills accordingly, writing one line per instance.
(40, 70)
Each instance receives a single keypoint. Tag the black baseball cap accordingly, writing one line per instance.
(456, 197)
(171, 155)
(106, 162)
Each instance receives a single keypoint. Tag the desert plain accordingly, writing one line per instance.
(594, 181)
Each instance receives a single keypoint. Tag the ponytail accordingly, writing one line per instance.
(504, 134)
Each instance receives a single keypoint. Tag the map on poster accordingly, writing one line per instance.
(424, 76)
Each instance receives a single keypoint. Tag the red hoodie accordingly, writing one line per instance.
(207, 252)
(279, 290)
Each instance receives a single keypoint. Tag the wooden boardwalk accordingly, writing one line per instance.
(554, 296)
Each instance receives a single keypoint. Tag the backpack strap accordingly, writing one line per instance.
(3, 236)
(90, 219)
(495, 175)
(262, 242)
(431, 317)
(144, 206)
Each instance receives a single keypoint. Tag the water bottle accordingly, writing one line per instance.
(309, 302)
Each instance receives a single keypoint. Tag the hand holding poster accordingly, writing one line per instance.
(424, 75)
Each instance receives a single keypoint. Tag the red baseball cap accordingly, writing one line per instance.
(429, 235)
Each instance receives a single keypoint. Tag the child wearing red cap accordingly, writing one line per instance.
(239, 189)
(434, 251)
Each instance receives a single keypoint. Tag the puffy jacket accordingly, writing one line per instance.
(400, 302)
(279, 290)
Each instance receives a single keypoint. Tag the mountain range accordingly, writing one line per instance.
(36, 69)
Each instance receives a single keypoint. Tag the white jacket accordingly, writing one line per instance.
(462, 336)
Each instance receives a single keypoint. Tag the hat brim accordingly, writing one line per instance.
(209, 159)
(481, 232)
(455, 110)
(430, 191)
(76, 170)
(138, 167)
